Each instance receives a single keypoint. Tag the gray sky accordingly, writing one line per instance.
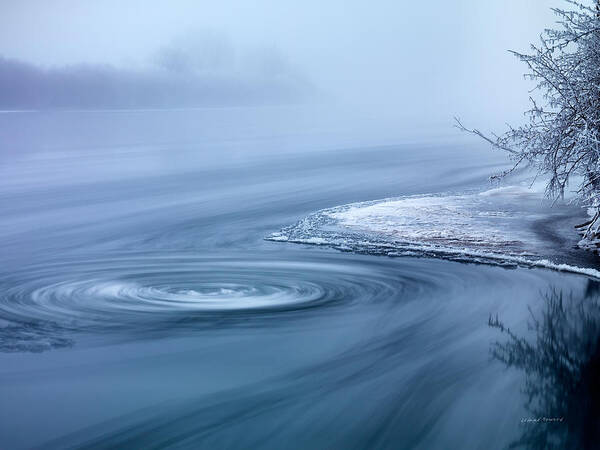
(421, 59)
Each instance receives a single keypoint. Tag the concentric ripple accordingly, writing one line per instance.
(152, 292)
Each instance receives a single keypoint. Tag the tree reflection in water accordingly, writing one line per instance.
(561, 362)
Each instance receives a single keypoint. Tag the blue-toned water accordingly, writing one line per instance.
(142, 307)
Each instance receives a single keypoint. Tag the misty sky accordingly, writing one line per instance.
(419, 59)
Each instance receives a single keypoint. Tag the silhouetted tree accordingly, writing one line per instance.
(562, 367)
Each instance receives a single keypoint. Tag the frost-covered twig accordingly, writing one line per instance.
(562, 136)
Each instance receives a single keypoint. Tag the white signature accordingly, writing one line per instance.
(541, 419)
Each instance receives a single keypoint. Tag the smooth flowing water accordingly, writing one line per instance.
(142, 307)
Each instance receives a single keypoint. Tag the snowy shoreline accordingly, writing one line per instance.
(497, 226)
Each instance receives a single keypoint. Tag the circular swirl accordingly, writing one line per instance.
(137, 295)
(148, 291)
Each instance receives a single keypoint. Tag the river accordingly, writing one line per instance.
(142, 307)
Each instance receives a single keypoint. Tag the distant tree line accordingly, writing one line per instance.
(27, 86)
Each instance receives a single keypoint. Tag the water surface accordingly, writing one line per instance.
(141, 305)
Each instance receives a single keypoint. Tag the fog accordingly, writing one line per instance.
(251, 224)
(417, 61)
(198, 71)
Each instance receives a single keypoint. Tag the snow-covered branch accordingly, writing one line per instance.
(562, 136)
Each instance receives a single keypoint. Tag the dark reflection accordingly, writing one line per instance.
(35, 337)
(561, 361)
